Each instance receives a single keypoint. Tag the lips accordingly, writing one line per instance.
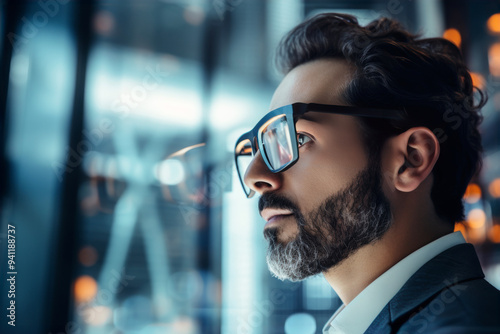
(276, 218)
(271, 215)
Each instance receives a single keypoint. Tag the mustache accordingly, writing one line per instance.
(275, 201)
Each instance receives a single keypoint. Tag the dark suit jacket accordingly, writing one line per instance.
(447, 295)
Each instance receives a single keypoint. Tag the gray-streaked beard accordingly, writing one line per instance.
(344, 222)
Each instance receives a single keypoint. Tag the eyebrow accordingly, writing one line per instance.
(309, 117)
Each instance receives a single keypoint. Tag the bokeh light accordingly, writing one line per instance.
(97, 315)
(453, 35)
(472, 193)
(494, 59)
(476, 218)
(300, 323)
(478, 80)
(494, 188)
(194, 15)
(493, 23)
(104, 22)
(461, 227)
(494, 234)
(170, 172)
(87, 256)
(85, 288)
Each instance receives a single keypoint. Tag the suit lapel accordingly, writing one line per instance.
(381, 324)
(455, 265)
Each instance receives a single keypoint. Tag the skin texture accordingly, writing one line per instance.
(332, 160)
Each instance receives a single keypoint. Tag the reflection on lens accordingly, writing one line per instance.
(243, 162)
(243, 159)
(277, 143)
(181, 175)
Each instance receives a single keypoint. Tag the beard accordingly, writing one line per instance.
(356, 216)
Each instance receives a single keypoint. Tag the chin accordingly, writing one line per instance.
(278, 235)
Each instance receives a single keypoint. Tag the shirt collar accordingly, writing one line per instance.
(357, 316)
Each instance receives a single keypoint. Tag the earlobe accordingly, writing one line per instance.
(418, 148)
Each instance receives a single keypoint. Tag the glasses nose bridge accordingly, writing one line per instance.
(256, 155)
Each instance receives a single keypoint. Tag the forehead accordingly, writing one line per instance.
(318, 81)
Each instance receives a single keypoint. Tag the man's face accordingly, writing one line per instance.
(330, 203)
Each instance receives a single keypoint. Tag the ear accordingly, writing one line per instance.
(411, 158)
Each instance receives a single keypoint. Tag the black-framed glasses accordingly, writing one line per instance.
(275, 135)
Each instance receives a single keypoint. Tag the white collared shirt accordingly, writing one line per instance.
(357, 316)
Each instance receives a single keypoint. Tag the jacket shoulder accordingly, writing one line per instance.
(471, 306)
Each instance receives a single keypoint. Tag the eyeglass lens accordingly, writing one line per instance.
(244, 157)
(276, 145)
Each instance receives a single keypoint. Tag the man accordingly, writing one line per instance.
(361, 167)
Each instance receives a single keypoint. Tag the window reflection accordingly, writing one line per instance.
(142, 108)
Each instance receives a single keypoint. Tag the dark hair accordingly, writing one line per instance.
(396, 69)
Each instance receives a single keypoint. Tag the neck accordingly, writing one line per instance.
(356, 272)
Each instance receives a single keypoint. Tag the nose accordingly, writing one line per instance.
(259, 178)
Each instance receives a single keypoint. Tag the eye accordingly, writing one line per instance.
(302, 139)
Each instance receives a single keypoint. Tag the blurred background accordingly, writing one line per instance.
(117, 124)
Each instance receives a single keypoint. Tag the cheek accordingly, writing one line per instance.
(322, 172)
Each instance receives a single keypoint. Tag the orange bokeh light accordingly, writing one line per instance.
(493, 23)
(494, 188)
(461, 227)
(478, 80)
(476, 235)
(476, 218)
(494, 59)
(85, 288)
(472, 193)
(494, 234)
(453, 35)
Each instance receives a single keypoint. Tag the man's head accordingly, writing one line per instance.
(355, 173)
